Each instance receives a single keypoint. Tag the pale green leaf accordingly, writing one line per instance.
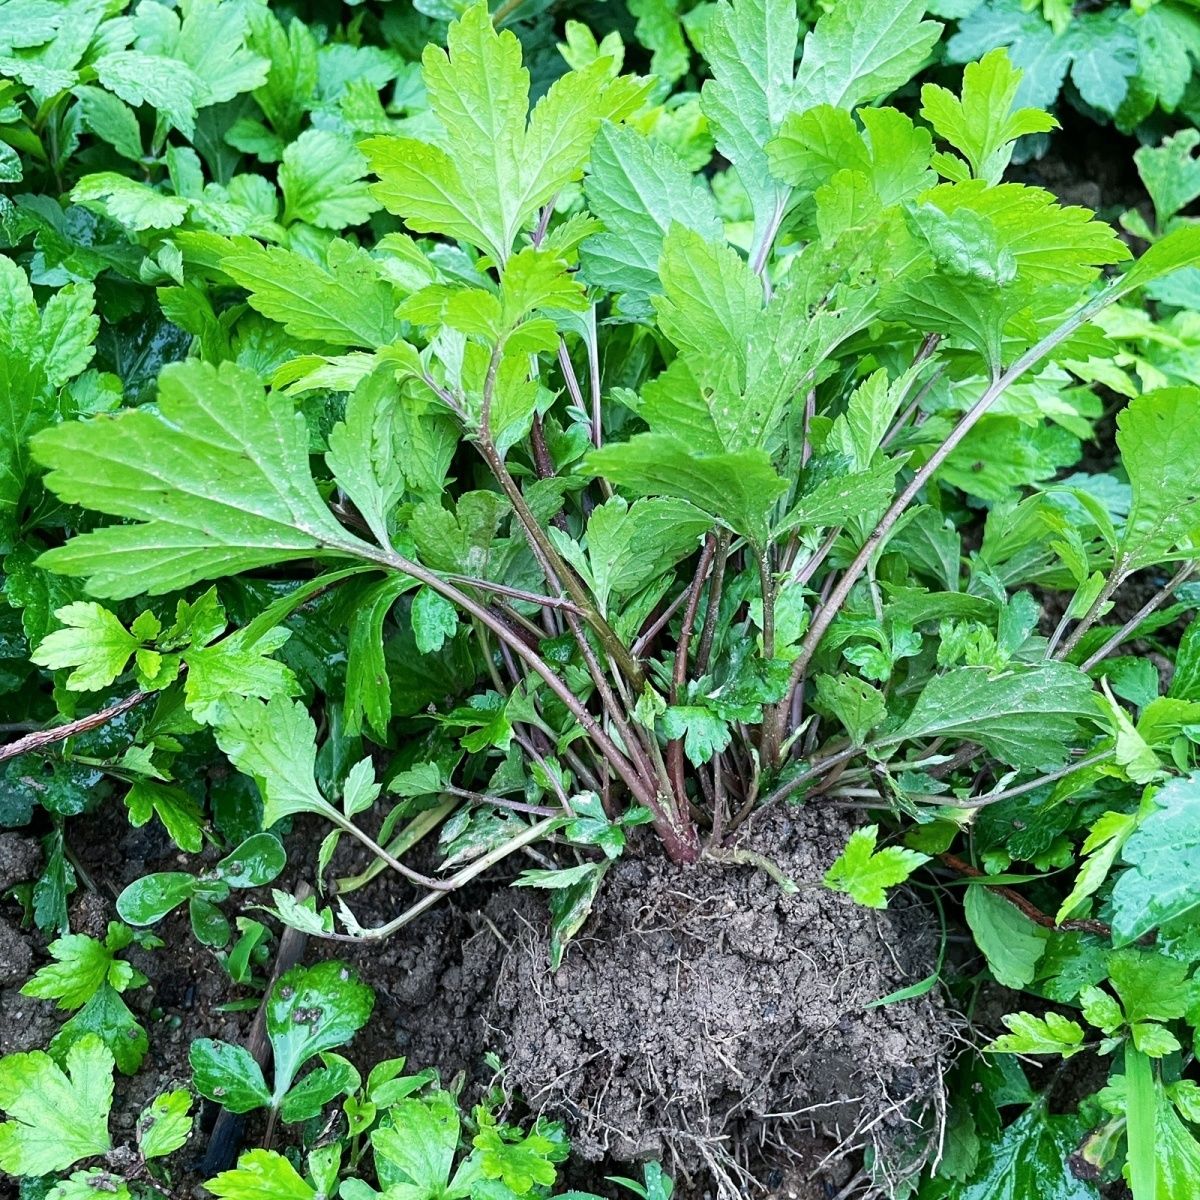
(1031, 1034)
(93, 642)
(865, 873)
(217, 477)
(165, 1124)
(55, 1118)
(322, 178)
(261, 1175)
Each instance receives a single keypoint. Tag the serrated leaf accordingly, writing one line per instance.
(1026, 717)
(93, 642)
(1156, 433)
(55, 1118)
(490, 169)
(1031, 1034)
(108, 1017)
(323, 180)
(865, 873)
(261, 1175)
(164, 1124)
(217, 478)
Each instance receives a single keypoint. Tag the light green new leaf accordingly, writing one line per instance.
(1101, 847)
(1030, 1034)
(345, 302)
(168, 86)
(82, 965)
(490, 170)
(865, 873)
(1010, 941)
(1176, 1155)
(55, 1119)
(414, 1149)
(704, 733)
(93, 641)
(366, 449)
(639, 189)
(218, 479)
(275, 743)
(739, 490)
(164, 1124)
(434, 619)
(1163, 853)
(135, 205)
(181, 816)
(983, 125)
(236, 666)
(1026, 717)
(322, 178)
(750, 46)
(261, 1175)
(863, 49)
(858, 705)
(1171, 173)
(1157, 434)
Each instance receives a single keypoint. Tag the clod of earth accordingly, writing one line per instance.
(705, 1017)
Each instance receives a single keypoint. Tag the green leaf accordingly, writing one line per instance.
(366, 450)
(180, 815)
(704, 733)
(1026, 717)
(1163, 853)
(739, 490)
(1030, 1158)
(1180, 248)
(1176, 1155)
(858, 705)
(639, 188)
(55, 1118)
(275, 744)
(261, 1175)
(1010, 941)
(434, 619)
(415, 1147)
(1171, 173)
(1101, 847)
(147, 900)
(107, 1016)
(228, 1075)
(1152, 987)
(865, 873)
(137, 206)
(164, 1124)
(81, 967)
(217, 478)
(1030, 1034)
(521, 1164)
(311, 1010)
(1155, 434)
(237, 665)
(170, 87)
(343, 301)
(489, 171)
(984, 124)
(337, 1077)
(255, 863)
(861, 50)
(323, 180)
(93, 641)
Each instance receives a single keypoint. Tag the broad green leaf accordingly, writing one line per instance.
(1157, 434)
(55, 1118)
(434, 619)
(865, 873)
(345, 301)
(415, 1145)
(312, 1010)
(1180, 248)
(255, 862)
(1176, 1155)
(323, 180)
(493, 164)
(983, 124)
(170, 87)
(148, 899)
(1031, 1034)
(1029, 1158)
(857, 705)
(1010, 941)
(1026, 716)
(261, 1175)
(639, 188)
(739, 490)
(236, 666)
(164, 1124)
(81, 966)
(1163, 854)
(108, 1017)
(93, 642)
(217, 478)
(863, 49)
(704, 733)
(135, 205)
(630, 545)
(1171, 173)
(228, 1075)
(275, 744)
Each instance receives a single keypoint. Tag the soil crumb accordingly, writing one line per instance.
(705, 1018)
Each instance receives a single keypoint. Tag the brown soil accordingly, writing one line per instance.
(706, 1018)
